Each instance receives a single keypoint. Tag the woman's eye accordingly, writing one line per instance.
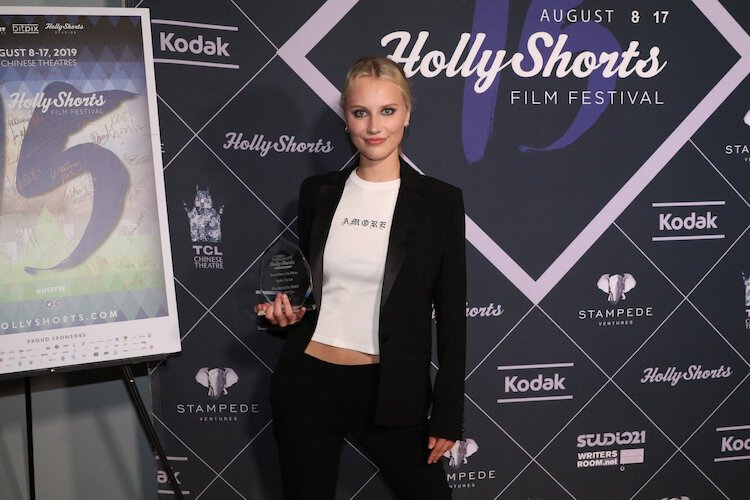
(359, 113)
(388, 111)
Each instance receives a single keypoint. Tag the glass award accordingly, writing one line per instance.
(283, 269)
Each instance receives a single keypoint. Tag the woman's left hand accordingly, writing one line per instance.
(438, 447)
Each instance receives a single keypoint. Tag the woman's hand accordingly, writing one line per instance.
(438, 447)
(280, 311)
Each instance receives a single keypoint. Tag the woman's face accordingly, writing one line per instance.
(376, 115)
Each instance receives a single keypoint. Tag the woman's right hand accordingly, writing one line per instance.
(280, 311)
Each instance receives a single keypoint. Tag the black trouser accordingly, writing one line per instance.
(322, 404)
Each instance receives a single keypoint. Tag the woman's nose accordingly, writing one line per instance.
(373, 125)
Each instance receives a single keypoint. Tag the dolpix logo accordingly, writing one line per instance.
(25, 29)
(536, 382)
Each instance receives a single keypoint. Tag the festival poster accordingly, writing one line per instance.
(85, 262)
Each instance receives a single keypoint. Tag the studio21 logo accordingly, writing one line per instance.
(556, 40)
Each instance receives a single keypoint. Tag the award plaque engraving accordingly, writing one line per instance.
(283, 269)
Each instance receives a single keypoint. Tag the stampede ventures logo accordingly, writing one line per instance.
(205, 227)
(616, 286)
(742, 150)
(217, 381)
(615, 454)
(457, 458)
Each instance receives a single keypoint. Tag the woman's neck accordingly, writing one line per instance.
(387, 169)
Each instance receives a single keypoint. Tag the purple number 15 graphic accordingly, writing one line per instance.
(491, 18)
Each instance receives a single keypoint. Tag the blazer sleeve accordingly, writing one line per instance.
(446, 418)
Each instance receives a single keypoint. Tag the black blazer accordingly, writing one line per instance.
(425, 265)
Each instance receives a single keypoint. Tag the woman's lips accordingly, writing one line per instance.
(375, 140)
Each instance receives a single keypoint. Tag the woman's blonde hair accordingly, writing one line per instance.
(377, 67)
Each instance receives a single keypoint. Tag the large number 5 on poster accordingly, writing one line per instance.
(45, 163)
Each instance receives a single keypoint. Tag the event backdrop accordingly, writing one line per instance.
(603, 149)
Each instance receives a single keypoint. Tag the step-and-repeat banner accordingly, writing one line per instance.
(603, 149)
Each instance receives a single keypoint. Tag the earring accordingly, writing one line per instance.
(346, 128)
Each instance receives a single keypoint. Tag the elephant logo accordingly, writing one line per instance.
(746, 280)
(457, 456)
(217, 380)
(205, 220)
(615, 286)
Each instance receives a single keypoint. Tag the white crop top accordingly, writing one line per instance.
(353, 265)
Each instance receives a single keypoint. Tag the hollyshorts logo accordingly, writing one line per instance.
(734, 443)
(534, 383)
(205, 229)
(550, 47)
(64, 28)
(217, 381)
(458, 457)
(480, 311)
(687, 221)
(616, 286)
(673, 376)
(283, 144)
(621, 449)
(25, 29)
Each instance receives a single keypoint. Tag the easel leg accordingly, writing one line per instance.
(29, 438)
(148, 426)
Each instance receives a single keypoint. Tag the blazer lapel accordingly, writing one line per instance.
(326, 202)
(402, 228)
